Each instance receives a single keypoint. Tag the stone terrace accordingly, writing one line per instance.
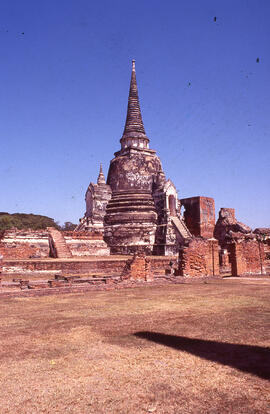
(34, 276)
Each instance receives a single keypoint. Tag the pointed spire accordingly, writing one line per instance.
(134, 127)
(101, 178)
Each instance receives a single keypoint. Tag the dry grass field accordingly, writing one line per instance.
(176, 349)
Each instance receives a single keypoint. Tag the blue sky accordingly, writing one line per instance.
(65, 72)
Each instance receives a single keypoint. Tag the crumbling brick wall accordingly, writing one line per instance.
(138, 268)
(199, 258)
(226, 224)
(86, 243)
(82, 235)
(24, 244)
(21, 251)
(1, 267)
(199, 215)
(247, 257)
(106, 266)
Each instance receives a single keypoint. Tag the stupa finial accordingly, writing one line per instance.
(101, 178)
(134, 124)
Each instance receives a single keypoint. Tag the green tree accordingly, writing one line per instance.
(25, 221)
(68, 226)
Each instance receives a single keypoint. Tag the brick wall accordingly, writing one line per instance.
(86, 243)
(67, 266)
(24, 244)
(199, 215)
(160, 263)
(83, 235)
(106, 266)
(199, 258)
(138, 268)
(266, 246)
(247, 257)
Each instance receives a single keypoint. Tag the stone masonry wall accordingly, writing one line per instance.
(199, 258)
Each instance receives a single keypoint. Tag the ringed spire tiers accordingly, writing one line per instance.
(101, 178)
(134, 134)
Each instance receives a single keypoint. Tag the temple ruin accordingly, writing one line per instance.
(137, 209)
(136, 228)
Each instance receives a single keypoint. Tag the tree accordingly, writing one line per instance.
(25, 221)
(68, 226)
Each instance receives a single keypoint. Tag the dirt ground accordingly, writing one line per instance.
(176, 349)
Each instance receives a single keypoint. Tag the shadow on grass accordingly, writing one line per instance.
(247, 358)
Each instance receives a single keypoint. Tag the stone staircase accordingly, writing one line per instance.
(58, 246)
(181, 228)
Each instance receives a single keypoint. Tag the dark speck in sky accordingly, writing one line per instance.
(257, 60)
(215, 19)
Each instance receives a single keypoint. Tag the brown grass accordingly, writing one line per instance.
(134, 351)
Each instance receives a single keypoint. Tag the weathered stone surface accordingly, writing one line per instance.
(134, 133)
(134, 169)
(131, 217)
(97, 197)
(171, 229)
(137, 215)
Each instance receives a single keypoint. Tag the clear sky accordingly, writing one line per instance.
(65, 69)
